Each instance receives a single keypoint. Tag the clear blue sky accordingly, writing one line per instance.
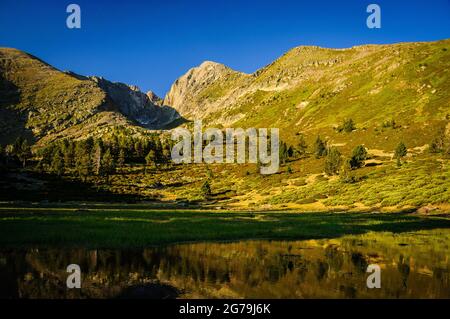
(151, 43)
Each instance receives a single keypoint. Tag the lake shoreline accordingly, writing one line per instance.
(118, 227)
(209, 206)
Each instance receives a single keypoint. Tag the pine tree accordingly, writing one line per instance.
(9, 151)
(290, 151)
(166, 152)
(69, 155)
(346, 173)
(333, 161)
(289, 169)
(158, 149)
(89, 144)
(138, 149)
(283, 152)
(206, 189)
(348, 125)
(150, 159)
(359, 155)
(46, 156)
(400, 150)
(97, 160)
(209, 173)
(114, 145)
(121, 158)
(17, 145)
(57, 165)
(108, 165)
(320, 147)
(301, 146)
(83, 163)
(437, 145)
(22, 150)
(145, 146)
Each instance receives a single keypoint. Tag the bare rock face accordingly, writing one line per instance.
(145, 109)
(192, 83)
(155, 99)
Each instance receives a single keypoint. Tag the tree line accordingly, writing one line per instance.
(82, 158)
(101, 157)
(17, 153)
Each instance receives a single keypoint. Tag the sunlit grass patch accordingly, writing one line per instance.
(139, 228)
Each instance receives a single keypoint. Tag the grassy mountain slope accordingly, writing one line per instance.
(312, 89)
(44, 104)
(308, 90)
(44, 100)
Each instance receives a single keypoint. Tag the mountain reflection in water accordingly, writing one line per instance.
(413, 265)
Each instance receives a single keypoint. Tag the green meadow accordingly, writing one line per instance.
(120, 227)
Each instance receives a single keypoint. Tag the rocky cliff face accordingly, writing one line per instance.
(185, 95)
(145, 109)
(156, 100)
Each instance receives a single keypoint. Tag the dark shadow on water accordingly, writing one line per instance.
(149, 291)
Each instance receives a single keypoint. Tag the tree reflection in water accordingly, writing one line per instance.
(334, 268)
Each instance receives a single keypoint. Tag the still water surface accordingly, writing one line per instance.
(413, 265)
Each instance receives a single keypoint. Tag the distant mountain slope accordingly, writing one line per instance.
(40, 100)
(191, 94)
(310, 89)
(44, 103)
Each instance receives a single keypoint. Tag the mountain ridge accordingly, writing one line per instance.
(314, 88)
(307, 89)
(362, 129)
(43, 103)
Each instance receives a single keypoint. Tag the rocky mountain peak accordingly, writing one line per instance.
(211, 65)
(194, 81)
(155, 99)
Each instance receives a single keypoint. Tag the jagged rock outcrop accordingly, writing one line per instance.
(183, 94)
(155, 99)
(142, 108)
